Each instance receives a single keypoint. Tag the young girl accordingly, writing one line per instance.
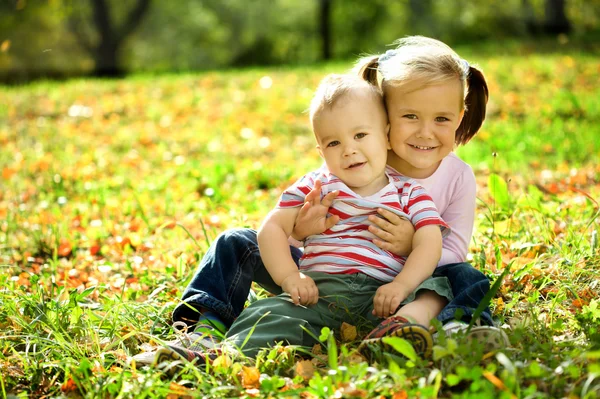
(420, 78)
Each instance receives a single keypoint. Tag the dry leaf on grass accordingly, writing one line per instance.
(348, 332)
(305, 369)
(250, 377)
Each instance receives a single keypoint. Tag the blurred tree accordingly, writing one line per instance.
(556, 18)
(325, 25)
(106, 49)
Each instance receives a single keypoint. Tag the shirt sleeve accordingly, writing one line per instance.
(422, 211)
(460, 216)
(294, 195)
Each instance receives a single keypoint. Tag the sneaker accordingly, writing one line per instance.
(194, 342)
(171, 358)
(398, 326)
(493, 338)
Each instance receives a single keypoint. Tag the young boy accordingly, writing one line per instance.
(343, 276)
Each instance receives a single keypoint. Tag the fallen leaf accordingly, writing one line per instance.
(250, 377)
(305, 369)
(348, 332)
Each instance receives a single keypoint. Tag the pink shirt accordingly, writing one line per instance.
(452, 187)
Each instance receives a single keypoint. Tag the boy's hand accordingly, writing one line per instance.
(302, 289)
(312, 218)
(395, 234)
(387, 299)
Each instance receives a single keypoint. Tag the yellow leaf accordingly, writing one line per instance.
(348, 332)
(250, 377)
(222, 361)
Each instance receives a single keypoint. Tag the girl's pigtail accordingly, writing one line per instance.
(475, 104)
(367, 69)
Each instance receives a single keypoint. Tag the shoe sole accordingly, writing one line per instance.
(492, 338)
(417, 335)
(168, 361)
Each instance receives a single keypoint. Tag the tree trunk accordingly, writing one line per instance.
(325, 25)
(556, 17)
(105, 51)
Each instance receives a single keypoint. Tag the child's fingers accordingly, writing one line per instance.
(295, 295)
(390, 216)
(314, 195)
(331, 221)
(328, 199)
(382, 234)
(386, 246)
(381, 223)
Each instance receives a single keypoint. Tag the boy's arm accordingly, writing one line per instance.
(420, 264)
(275, 253)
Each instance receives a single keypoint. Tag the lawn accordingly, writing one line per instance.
(111, 192)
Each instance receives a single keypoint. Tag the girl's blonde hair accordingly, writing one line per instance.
(420, 61)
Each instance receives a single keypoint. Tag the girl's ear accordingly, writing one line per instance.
(387, 135)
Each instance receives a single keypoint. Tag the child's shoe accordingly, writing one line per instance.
(193, 341)
(493, 338)
(398, 326)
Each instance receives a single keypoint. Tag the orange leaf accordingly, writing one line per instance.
(5, 46)
(179, 392)
(68, 386)
(305, 369)
(400, 395)
(64, 249)
(94, 249)
(250, 377)
(7, 173)
(497, 382)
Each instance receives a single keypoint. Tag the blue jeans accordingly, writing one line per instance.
(225, 275)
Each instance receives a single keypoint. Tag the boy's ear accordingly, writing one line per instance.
(318, 147)
(387, 135)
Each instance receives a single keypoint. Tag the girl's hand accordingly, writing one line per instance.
(312, 218)
(395, 234)
(387, 299)
(302, 289)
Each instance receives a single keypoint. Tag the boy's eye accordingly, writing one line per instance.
(410, 116)
(333, 143)
(441, 119)
(360, 135)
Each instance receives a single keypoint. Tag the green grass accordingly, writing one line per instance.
(112, 191)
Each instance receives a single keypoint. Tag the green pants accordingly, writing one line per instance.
(342, 298)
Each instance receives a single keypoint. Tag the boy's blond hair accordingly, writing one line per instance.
(334, 87)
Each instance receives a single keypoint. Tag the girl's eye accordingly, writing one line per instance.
(441, 119)
(410, 116)
(333, 143)
(360, 135)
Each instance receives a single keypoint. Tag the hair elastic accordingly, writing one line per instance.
(388, 54)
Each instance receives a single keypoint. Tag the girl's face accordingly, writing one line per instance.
(423, 125)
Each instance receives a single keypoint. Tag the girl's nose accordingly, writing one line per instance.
(426, 131)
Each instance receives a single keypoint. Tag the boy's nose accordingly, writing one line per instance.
(349, 150)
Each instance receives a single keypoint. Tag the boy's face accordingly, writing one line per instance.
(423, 126)
(352, 138)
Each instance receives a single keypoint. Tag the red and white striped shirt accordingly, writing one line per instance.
(348, 246)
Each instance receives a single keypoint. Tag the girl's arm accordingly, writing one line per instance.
(460, 216)
(275, 253)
